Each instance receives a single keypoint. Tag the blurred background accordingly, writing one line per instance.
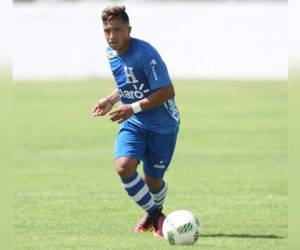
(215, 39)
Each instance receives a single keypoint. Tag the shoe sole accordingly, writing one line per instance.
(157, 235)
(145, 230)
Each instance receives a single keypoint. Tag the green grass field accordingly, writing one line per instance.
(229, 168)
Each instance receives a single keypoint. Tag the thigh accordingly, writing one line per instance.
(130, 142)
(159, 154)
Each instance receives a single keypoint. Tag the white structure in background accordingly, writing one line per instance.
(196, 40)
(5, 29)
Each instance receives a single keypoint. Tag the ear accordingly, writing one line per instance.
(129, 29)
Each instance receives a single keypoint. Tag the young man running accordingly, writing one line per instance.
(148, 113)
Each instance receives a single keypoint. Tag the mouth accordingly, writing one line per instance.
(113, 44)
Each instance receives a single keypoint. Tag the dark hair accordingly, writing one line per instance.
(115, 12)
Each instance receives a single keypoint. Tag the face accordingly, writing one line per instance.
(117, 35)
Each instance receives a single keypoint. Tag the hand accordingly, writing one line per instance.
(102, 107)
(121, 114)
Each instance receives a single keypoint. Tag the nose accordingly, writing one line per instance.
(111, 36)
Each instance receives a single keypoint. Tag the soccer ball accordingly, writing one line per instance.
(181, 227)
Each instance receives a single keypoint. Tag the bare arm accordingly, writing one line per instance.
(106, 104)
(114, 97)
(157, 98)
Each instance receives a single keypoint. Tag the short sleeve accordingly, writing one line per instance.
(155, 69)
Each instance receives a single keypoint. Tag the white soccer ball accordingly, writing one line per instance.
(181, 227)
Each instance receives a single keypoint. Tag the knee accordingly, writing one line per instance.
(126, 167)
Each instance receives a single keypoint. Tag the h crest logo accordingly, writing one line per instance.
(130, 77)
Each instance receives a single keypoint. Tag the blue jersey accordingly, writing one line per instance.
(139, 73)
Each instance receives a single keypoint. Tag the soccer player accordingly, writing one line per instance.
(148, 113)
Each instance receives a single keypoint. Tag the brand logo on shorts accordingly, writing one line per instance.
(160, 165)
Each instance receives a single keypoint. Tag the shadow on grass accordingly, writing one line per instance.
(253, 236)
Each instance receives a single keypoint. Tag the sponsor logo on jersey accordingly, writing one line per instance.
(153, 64)
(136, 93)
